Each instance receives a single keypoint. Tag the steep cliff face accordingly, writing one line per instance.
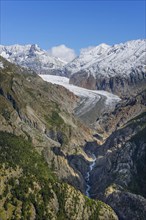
(119, 175)
(124, 111)
(118, 84)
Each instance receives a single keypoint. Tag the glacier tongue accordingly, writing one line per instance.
(89, 98)
(79, 91)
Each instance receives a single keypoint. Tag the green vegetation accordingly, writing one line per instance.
(31, 186)
(59, 130)
(16, 151)
(54, 119)
(61, 215)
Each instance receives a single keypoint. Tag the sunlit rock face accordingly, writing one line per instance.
(120, 69)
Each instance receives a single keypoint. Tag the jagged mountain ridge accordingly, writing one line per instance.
(33, 57)
(86, 58)
(104, 59)
(111, 60)
(118, 69)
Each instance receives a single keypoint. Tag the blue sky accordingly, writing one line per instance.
(77, 24)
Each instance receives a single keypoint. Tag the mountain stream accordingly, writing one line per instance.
(88, 187)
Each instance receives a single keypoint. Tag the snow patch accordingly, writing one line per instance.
(1, 65)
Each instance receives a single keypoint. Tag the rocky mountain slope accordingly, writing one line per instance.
(41, 111)
(32, 57)
(56, 150)
(120, 69)
(38, 136)
(29, 190)
(119, 176)
(124, 111)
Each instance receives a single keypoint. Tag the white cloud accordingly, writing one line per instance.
(64, 53)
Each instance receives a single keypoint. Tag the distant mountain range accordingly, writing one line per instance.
(33, 57)
(110, 60)
(112, 68)
(118, 69)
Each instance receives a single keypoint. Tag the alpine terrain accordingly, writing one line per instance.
(32, 57)
(73, 135)
(119, 69)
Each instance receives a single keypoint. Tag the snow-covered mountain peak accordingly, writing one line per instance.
(92, 49)
(115, 69)
(87, 57)
(32, 56)
(95, 51)
(102, 46)
(98, 50)
(104, 59)
(35, 48)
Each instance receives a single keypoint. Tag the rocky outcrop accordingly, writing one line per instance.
(82, 79)
(127, 205)
(119, 175)
(124, 111)
(125, 86)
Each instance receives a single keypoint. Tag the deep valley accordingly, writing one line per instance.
(69, 152)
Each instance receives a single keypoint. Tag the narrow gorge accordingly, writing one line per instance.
(114, 164)
(88, 175)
